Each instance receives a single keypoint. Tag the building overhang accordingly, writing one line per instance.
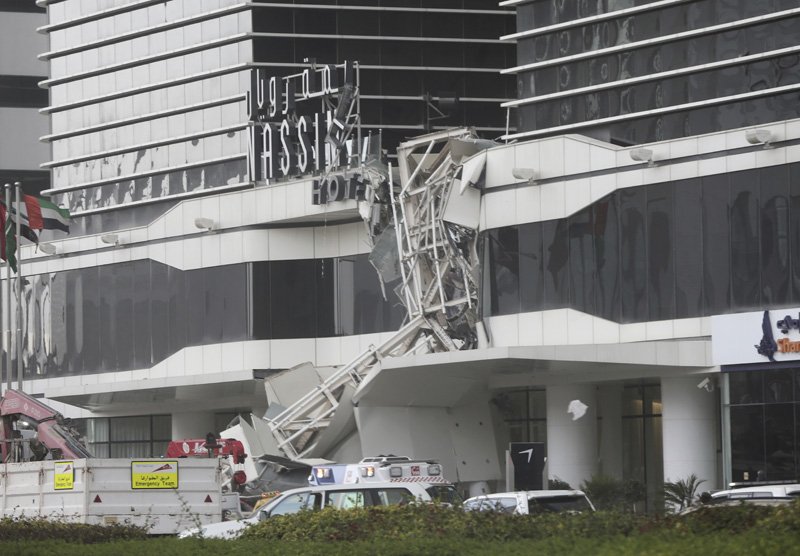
(464, 377)
(220, 391)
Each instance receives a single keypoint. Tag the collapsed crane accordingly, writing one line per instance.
(424, 233)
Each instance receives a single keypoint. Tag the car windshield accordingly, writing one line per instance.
(570, 503)
(505, 505)
(444, 493)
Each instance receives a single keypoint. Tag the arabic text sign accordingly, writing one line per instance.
(154, 474)
(64, 475)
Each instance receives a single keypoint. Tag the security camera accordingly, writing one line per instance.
(706, 384)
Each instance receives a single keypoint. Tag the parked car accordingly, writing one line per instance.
(531, 502)
(340, 496)
(757, 495)
(757, 492)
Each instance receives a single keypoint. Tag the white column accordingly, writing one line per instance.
(571, 443)
(689, 425)
(610, 403)
(192, 425)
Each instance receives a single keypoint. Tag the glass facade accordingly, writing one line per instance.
(750, 46)
(764, 416)
(133, 315)
(633, 255)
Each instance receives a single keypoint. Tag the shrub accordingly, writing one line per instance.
(681, 493)
(558, 484)
(605, 492)
(417, 521)
(21, 529)
(720, 519)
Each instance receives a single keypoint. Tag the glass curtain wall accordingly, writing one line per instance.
(632, 256)
(133, 315)
(668, 48)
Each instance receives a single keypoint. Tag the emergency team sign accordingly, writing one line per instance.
(64, 476)
(154, 474)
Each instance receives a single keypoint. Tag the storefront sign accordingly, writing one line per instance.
(288, 138)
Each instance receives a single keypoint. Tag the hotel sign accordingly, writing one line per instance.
(764, 336)
(303, 124)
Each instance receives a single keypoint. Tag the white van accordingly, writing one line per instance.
(340, 496)
(531, 502)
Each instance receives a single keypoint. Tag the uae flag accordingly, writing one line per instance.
(40, 214)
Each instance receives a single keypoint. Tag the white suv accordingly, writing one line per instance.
(341, 496)
(531, 502)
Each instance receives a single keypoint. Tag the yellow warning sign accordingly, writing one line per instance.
(154, 474)
(64, 475)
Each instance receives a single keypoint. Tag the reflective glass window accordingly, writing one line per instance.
(774, 235)
(157, 298)
(142, 323)
(292, 299)
(503, 250)
(531, 267)
(633, 255)
(122, 299)
(178, 318)
(581, 260)
(106, 284)
(660, 253)
(688, 223)
(744, 240)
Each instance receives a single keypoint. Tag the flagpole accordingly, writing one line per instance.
(18, 254)
(9, 204)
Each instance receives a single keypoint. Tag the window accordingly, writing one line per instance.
(502, 505)
(642, 441)
(763, 413)
(291, 504)
(393, 496)
(443, 493)
(525, 414)
(345, 500)
(558, 504)
(144, 436)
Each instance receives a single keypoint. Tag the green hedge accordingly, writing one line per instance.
(441, 531)
(715, 544)
(37, 529)
(432, 522)
(425, 521)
